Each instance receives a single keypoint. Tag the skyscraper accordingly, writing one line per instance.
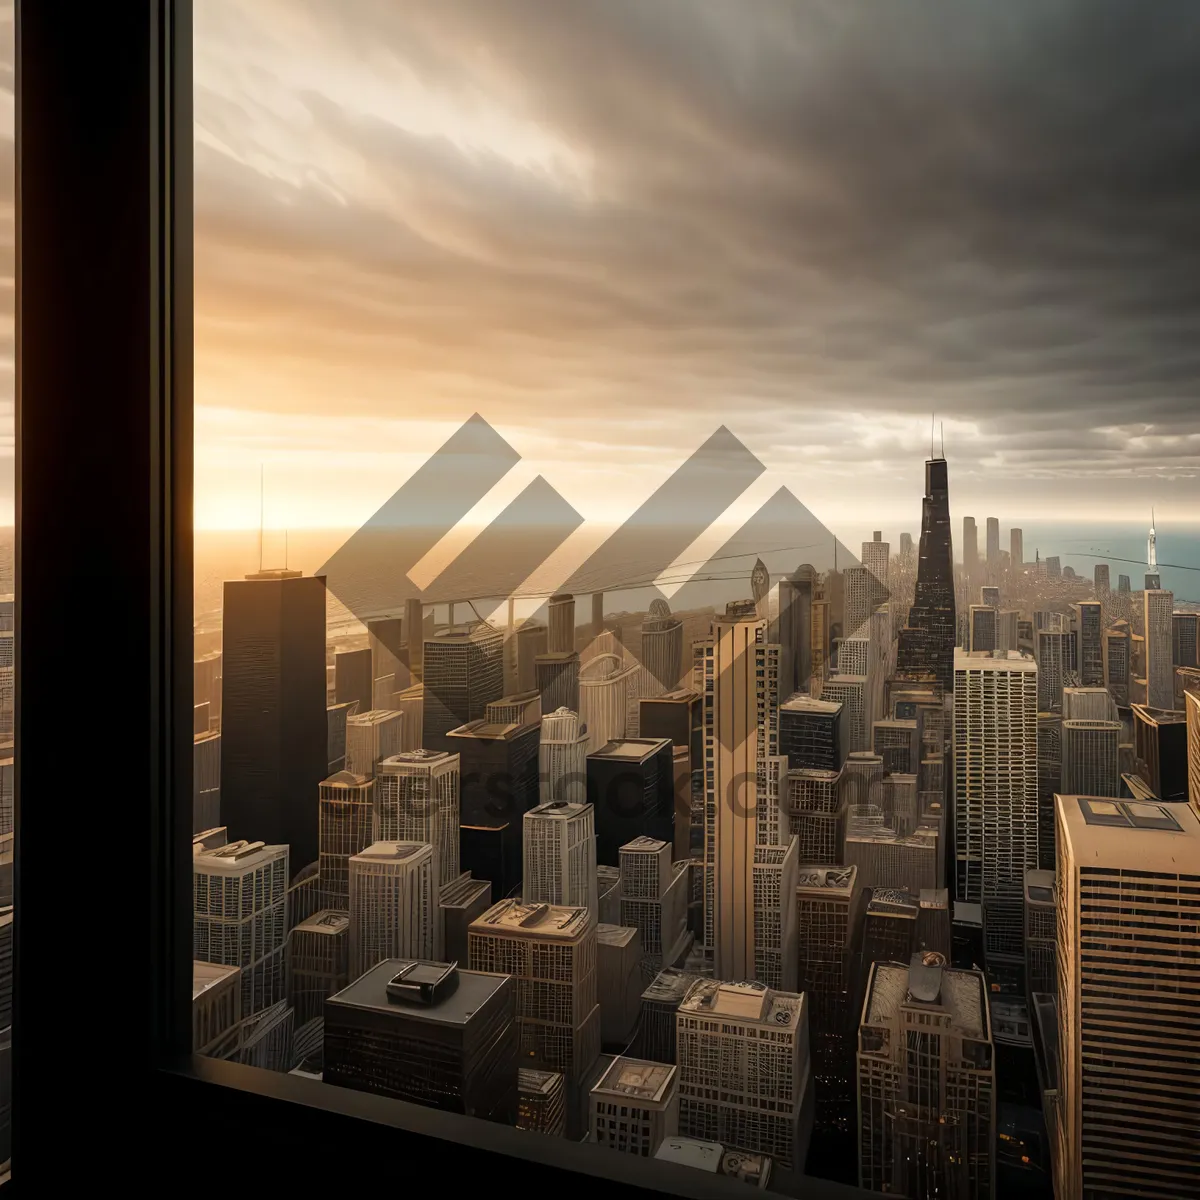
(206, 784)
(1117, 662)
(464, 672)
(1091, 758)
(1016, 552)
(1089, 642)
(1126, 999)
(560, 856)
(732, 795)
(970, 547)
(722, 1030)
(995, 789)
(982, 628)
(562, 759)
(1160, 683)
(371, 736)
(993, 542)
(926, 1082)
(1100, 581)
(1053, 663)
(353, 678)
(346, 814)
(1191, 700)
(417, 799)
(393, 905)
(631, 785)
(274, 728)
(661, 650)
(927, 642)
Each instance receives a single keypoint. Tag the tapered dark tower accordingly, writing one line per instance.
(926, 644)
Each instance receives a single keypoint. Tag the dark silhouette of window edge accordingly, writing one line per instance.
(104, 1083)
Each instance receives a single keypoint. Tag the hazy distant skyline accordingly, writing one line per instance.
(611, 227)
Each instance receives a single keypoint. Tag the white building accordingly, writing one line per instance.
(654, 898)
(562, 758)
(995, 788)
(559, 856)
(744, 1073)
(345, 821)
(370, 737)
(239, 895)
(417, 799)
(393, 905)
(1158, 607)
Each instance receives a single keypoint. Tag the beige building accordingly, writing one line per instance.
(635, 1106)
(1128, 891)
(744, 1074)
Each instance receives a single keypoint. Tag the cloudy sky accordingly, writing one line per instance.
(610, 226)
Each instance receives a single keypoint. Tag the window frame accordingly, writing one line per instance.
(104, 1079)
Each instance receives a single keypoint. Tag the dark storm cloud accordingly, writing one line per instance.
(771, 213)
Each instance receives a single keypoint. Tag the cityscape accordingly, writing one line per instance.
(884, 868)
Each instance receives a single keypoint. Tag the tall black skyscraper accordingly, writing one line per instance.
(926, 644)
(274, 735)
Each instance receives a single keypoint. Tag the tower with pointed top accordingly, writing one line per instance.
(926, 643)
(1153, 578)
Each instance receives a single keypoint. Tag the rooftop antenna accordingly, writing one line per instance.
(262, 472)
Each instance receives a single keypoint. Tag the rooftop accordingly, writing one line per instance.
(532, 920)
(456, 1007)
(960, 993)
(632, 749)
(800, 703)
(648, 1081)
(558, 810)
(1131, 834)
(992, 660)
(752, 1003)
(692, 1152)
(615, 935)
(459, 893)
(393, 852)
(419, 757)
(234, 858)
(670, 985)
(892, 902)
(935, 898)
(328, 921)
(829, 879)
(538, 1083)
(489, 731)
(346, 779)
(1157, 716)
(374, 716)
(644, 845)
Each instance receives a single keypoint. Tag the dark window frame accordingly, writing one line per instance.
(104, 1079)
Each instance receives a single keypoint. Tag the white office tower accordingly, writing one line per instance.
(1091, 758)
(562, 759)
(206, 782)
(551, 953)
(607, 688)
(410, 703)
(393, 905)
(371, 737)
(745, 1078)
(876, 557)
(775, 942)
(1088, 704)
(635, 1106)
(1158, 607)
(857, 593)
(1053, 663)
(239, 893)
(417, 800)
(1127, 1121)
(995, 788)
(345, 827)
(772, 824)
(662, 650)
(654, 897)
(926, 1082)
(731, 787)
(559, 848)
(853, 693)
